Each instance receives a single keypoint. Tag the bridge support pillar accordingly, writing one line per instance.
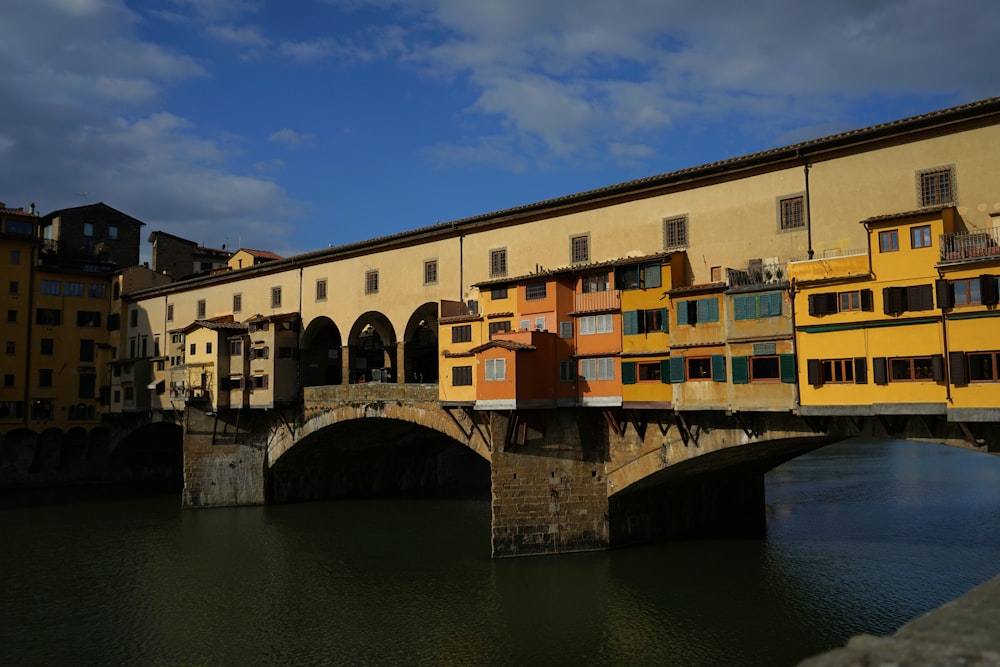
(220, 467)
(549, 484)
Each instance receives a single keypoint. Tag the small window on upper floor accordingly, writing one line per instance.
(113, 232)
(534, 291)
(170, 312)
(88, 229)
(237, 303)
(936, 186)
(579, 249)
(201, 309)
(888, 241)
(596, 282)
(275, 297)
(675, 232)
(321, 289)
(498, 262)
(920, 236)
(371, 282)
(430, 271)
(791, 212)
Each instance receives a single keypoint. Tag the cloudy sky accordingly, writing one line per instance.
(291, 125)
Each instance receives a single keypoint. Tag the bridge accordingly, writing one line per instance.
(560, 480)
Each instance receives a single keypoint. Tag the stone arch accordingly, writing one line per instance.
(372, 349)
(420, 345)
(427, 415)
(321, 349)
(152, 452)
(48, 451)
(17, 453)
(377, 450)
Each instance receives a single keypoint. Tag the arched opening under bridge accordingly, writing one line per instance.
(373, 349)
(378, 458)
(321, 349)
(421, 345)
(151, 453)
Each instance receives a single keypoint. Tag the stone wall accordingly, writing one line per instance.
(222, 471)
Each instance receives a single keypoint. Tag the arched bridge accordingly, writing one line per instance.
(560, 480)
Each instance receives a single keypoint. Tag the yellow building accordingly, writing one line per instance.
(18, 255)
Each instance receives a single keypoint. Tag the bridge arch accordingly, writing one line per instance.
(321, 347)
(372, 348)
(420, 345)
(377, 450)
(152, 452)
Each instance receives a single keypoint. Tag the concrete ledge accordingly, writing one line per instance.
(963, 632)
(874, 409)
(974, 415)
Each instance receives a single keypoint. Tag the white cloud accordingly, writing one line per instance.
(290, 137)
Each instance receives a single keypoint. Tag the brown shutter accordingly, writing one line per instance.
(866, 300)
(945, 294)
(957, 368)
(814, 371)
(880, 370)
(937, 367)
(860, 370)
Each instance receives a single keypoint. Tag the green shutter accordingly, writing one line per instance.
(628, 372)
(651, 276)
(739, 307)
(711, 310)
(682, 312)
(741, 370)
(665, 370)
(630, 322)
(770, 304)
(676, 369)
(663, 318)
(718, 368)
(786, 362)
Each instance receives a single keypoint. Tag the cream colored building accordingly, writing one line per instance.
(374, 306)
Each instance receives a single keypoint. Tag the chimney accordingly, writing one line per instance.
(31, 209)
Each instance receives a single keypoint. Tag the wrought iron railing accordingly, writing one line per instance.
(970, 244)
(758, 274)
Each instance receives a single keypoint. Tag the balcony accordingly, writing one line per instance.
(758, 274)
(592, 302)
(971, 245)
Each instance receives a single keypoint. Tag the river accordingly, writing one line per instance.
(862, 536)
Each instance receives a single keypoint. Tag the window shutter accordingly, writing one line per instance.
(860, 370)
(786, 365)
(718, 368)
(713, 310)
(815, 306)
(880, 370)
(893, 300)
(651, 276)
(266, 381)
(988, 290)
(945, 294)
(630, 322)
(628, 372)
(253, 353)
(814, 372)
(919, 297)
(867, 303)
(682, 312)
(937, 367)
(663, 318)
(665, 370)
(676, 369)
(741, 370)
(739, 308)
(770, 304)
(958, 369)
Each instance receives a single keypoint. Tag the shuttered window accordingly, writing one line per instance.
(676, 372)
(628, 372)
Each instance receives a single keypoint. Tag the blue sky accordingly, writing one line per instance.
(292, 125)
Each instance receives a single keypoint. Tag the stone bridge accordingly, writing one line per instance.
(560, 480)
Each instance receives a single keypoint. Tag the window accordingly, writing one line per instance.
(638, 277)
(498, 327)
(595, 282)
(838, 371)
(461, 376)
(579, 249)
(888, 241)
(44, 377)
(258, 325)
(907, 369)
(565, 329)
(113, 232)
(983, 366)
(567, 370)
(644, 321)
(540, 324)
(88, 229)
(461, 334)
(430, 271)
(699, 368)
(15, 256)
(97, 290)
(698, 310)
(259, 381)
(371, 282)
(756, 306)
(201, 309)
(983, 289)
(496, 370)
(86, 350)
(764, 368)
(596, 324)
(48, 317)
(936, 186)
(920, 237)
(73, 289)
(791, 211)
(498, 293)
(48, 346)
(8, 382)
(193, 348)
(534, 291)
(849, 301)
(13, 288)
(827, 303)
(650, 372)
(275, 297)
(11, 347)
(321, 289)
(901, 299)
(170, 311)
(51, 287)
(675, 232)
(133, 318)
(238, 303)
(208, 348)
(597, 369)
(12, 316)
(236, 347)
(235, 382)
(88, 318)
(498, 262)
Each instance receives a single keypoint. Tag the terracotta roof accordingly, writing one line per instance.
(454, 319)
(694, 289)
(18, 211)
(504, 344)
(930, 210)
(263, 254)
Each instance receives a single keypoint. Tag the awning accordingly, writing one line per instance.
(155, 384)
